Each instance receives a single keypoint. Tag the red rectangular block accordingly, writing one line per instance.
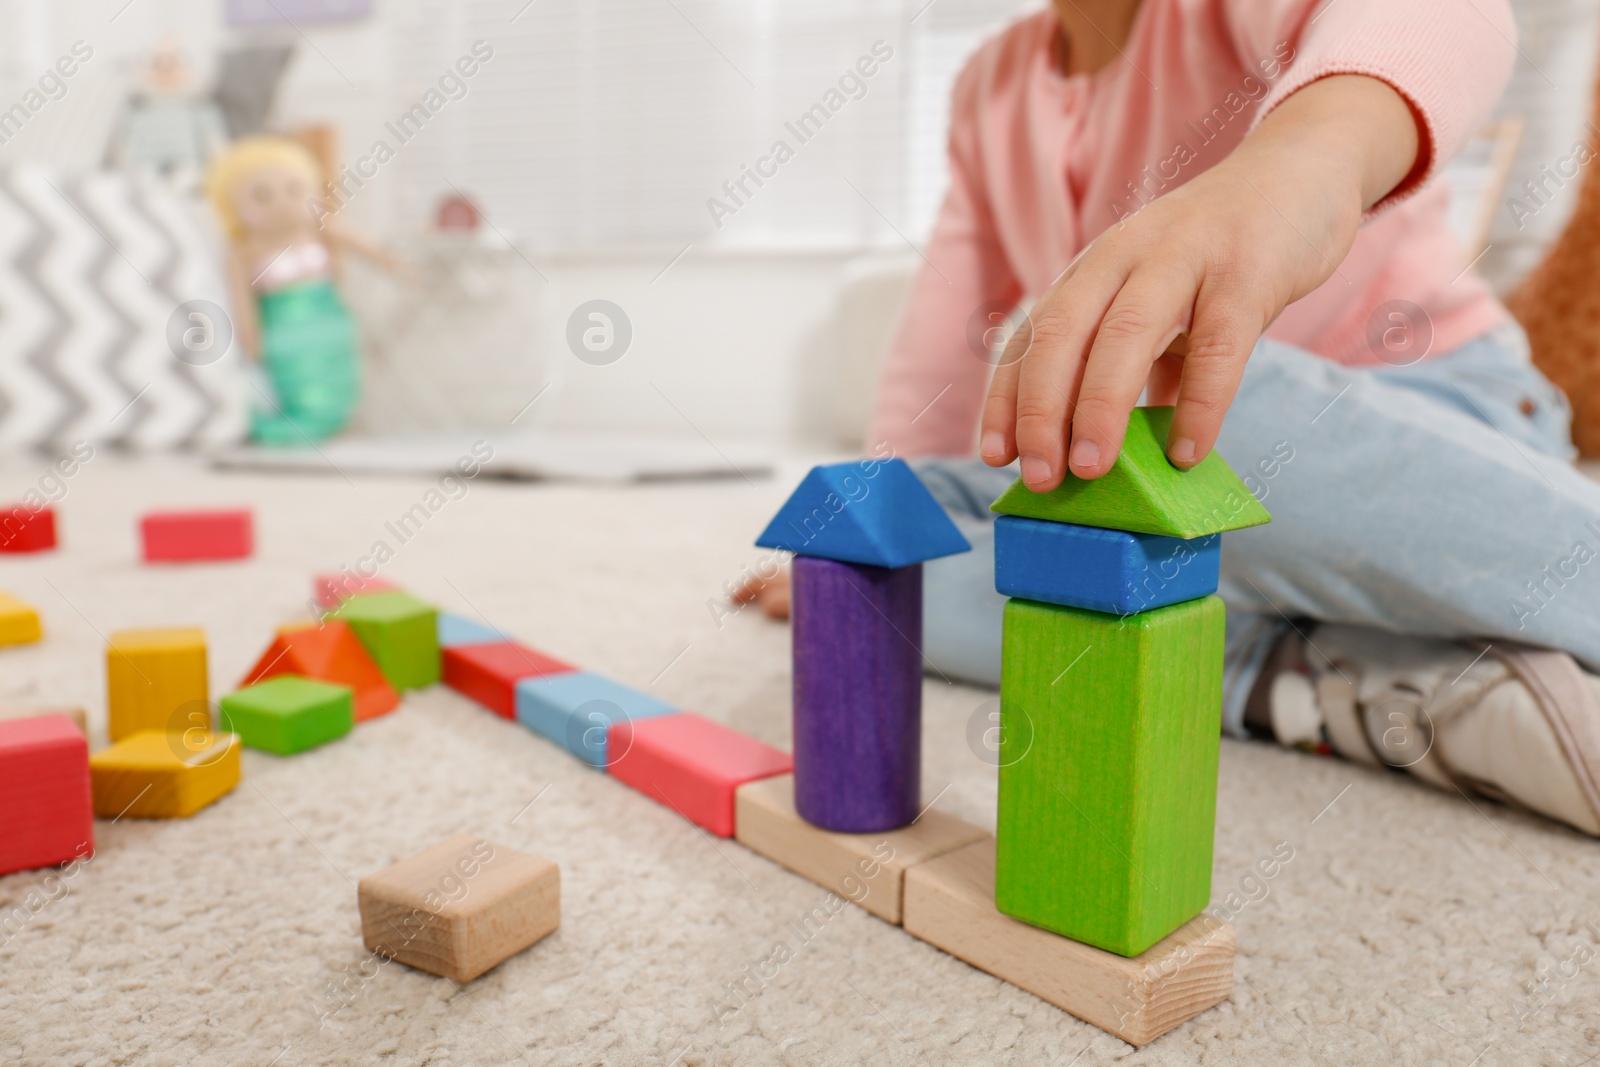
(23, 529)
(46, 809)
(333, 589)
(181, 536)
(691, 764)
(489, 673)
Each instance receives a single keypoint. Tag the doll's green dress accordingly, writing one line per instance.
(308, 349)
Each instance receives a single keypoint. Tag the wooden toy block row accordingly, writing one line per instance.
(692, 765)
(156, 680)
(192, 536)
(1102, 570)
(27, 529)
(577, 709)
(288, 714)
(489, 673)
(335, 587)
(949, 903)
(1110, 735)
(460, 907)
(79, 718)
(160, 774)
(456, 630)
(46, 811)
(19, 623)
(868, 869)
(331, 652)
(399, 632)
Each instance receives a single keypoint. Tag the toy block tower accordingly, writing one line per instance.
(859, 533)
(1111, 692)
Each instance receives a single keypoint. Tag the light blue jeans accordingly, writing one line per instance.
(1437, 499)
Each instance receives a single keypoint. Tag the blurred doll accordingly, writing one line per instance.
(165, 126)
(287, 309)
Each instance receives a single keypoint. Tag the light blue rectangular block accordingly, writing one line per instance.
(455, 630)
(1113, 571)
(577, 709)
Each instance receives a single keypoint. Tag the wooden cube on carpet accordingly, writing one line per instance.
(577, 709)
(400, 632)
(162, 774)
(46, 813)
(156, 680)
(328, 651)
(691, 765)
(288, 714)
(26, 529)
(19, 622)
(195, 536)
(489, 673)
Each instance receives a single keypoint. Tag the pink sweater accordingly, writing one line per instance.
(1041, 163)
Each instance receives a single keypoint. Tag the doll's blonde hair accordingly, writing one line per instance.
(250, 154)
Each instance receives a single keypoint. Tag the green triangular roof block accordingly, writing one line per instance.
(1143, 492)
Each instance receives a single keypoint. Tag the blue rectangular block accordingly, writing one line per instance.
(577, 709)
(1113, 571)
(455, 630)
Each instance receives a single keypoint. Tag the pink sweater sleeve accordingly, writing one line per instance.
(1450, 59)
(933, 383)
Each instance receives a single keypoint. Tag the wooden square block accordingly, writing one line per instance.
(160, 774)
(79, 718)
(19, 623)
(24, 529)
(288, 714)
(399, 632)
(577, 709)
(868, 869)
(949, 903)
(46, 814)
(1102, 570)
(456, 630)
(460, 907)
(191, 536)
(156, 680)
(1110, 735)
(334, 588)
(328, 651)
(489, 673)
(691, 765)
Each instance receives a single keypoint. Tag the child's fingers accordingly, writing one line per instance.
(998, 442)
(1147, 314)
(1226, 328)
(1165, 373)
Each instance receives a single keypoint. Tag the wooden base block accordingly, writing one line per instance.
(192, 536)
(328, 651)
(19, 622)
(460, 907)
(158, 774)
(949, 903)
(45, 813)
(156, 680)
(868, 869)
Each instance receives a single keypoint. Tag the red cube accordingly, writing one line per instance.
(489, 673)
(24, 529)
(183, 536)
(691, 765)
(46, 810)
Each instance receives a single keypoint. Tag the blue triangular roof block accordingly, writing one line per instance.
(869, 511)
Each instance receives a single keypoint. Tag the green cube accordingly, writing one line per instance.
(1110, 733)
(399, 632)
(288, 714)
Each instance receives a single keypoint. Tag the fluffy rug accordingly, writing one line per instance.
(1409, 926)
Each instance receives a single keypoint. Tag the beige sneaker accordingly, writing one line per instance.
(1517, 724)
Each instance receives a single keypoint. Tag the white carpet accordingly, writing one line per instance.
(1408, 928)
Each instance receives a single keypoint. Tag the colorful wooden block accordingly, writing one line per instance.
(156, 680)
(335, 587)
(489, 673)
(691, 765)
(328, 651)
(193, 536)
(77, 715)
(26, 529)
(1108, 769)
(949, 903)
(460, 907)
(870, 511)
(400, 632)
(577, 709)
(1143, 492)
(19, 623)
(288, 714)
(867, 869)
(857, 694)
(46, 812)
(161, 774)
(1102, 570)
(456, 630)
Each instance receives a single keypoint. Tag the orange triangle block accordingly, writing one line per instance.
(328, 652)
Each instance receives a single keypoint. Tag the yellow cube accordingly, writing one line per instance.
(19, 623)
(162, 774)
(156, 680)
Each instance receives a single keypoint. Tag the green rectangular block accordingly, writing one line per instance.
(1110, 733)
(288, 714)
(399, 632)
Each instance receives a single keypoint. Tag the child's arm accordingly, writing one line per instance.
(1179, 293)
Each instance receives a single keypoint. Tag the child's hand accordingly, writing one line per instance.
(1216, 260)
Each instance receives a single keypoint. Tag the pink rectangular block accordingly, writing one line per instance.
(182, 536)
(333, 589)
(691, 764)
